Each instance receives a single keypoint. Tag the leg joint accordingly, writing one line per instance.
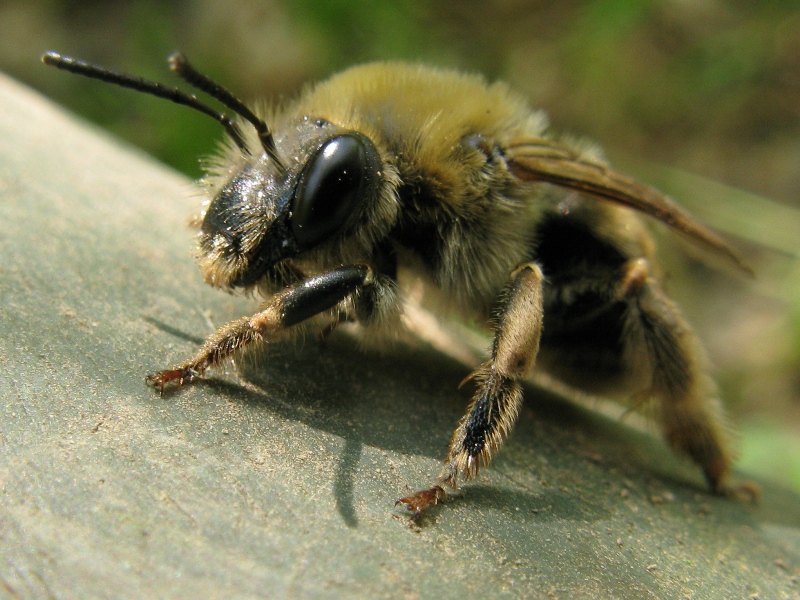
(320, 293)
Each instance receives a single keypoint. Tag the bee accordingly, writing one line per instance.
(389, 173)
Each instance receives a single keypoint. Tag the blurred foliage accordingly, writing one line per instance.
(708, 86)
(705, 85)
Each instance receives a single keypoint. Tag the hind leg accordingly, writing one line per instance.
(689, 413)
(614, 328)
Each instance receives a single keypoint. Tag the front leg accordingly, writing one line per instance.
(271, 324)
(495, 405)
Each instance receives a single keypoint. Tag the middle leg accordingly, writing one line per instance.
(495, 405)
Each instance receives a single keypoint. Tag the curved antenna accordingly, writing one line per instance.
(173, 94)
(126, 80)
(184, 69)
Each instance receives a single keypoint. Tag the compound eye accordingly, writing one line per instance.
(331, 188)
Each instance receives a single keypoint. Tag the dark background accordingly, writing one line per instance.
(711, 88)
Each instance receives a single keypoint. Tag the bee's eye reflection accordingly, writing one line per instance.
(332, 187)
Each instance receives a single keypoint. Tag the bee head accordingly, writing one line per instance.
(268, 212)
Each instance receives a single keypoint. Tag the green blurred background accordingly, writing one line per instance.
(668, 87)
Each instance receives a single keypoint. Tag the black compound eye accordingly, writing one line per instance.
(332, 186)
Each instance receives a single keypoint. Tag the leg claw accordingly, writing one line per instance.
(746, 491)
(419, 501)
(164, 378)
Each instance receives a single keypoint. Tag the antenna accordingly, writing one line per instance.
(184, 69)
(181, 66)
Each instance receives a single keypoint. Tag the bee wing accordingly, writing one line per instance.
(538, 159)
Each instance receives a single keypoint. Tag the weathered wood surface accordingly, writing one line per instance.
(284, 486)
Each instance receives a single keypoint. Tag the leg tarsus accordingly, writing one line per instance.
(176, 376)
(744, 491)
(420, 501)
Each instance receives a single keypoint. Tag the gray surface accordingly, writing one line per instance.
(284, 486)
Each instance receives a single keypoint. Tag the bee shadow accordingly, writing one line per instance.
(407, 401)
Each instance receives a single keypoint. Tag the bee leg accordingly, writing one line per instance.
(689, 412)
(495, 405)
(272, 323)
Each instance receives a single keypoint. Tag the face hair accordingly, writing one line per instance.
(188, 73)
